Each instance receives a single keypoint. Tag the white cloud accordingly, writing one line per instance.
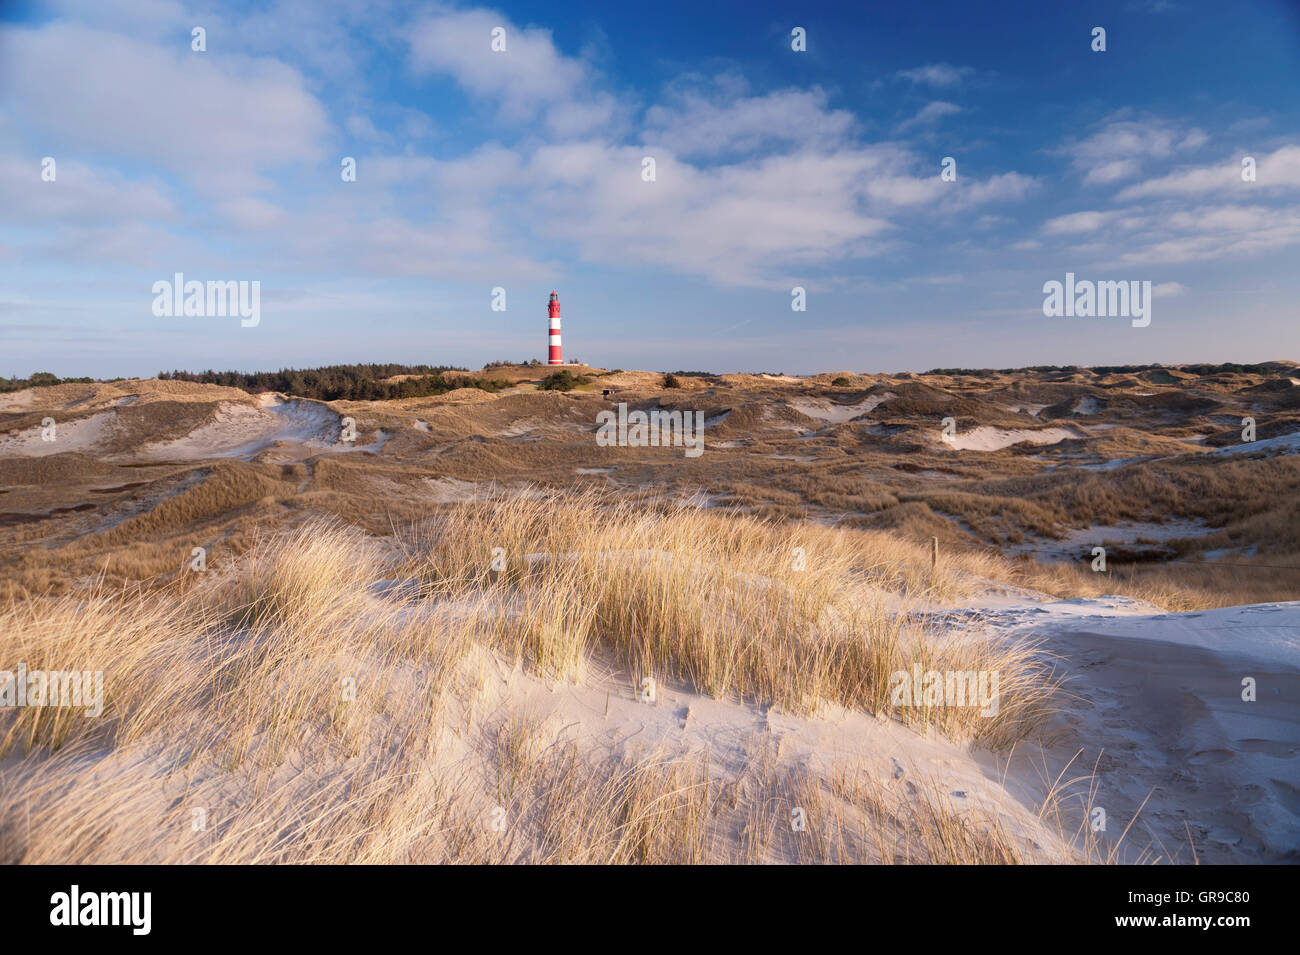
(1216, 232)
(361, 127)
(1151, 6)
(1119, 147)
(529, 77)
(153, 17)
(707, 123)
(930, 113)
(571, 118)
(254, 214)
(88, 90)
(936, 74)
(530, 70)
(750, 189)
(1112, 171)
(1281, 168)
(1077, 222)
(1158, 232)
(1004, 187)
(740, 224)
(1168, 289)
(80, 194)
(123, 242)
(807, 196)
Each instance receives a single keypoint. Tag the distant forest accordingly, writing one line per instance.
(345, 382)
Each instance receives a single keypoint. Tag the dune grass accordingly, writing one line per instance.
(329, 697)
(789, 615)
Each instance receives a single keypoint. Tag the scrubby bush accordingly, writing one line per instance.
(562, 380)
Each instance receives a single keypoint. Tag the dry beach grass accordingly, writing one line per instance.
(315, 717)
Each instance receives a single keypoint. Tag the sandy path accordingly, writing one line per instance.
(1222, 769)
(1156, 709)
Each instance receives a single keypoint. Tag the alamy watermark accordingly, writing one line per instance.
(63, 688)
(945, 688)
(130, 909)
(1087, 299)
(213, 299)
(656, 429)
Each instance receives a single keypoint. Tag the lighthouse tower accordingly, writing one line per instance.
(554, 358)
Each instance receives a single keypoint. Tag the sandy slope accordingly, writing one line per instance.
(605, 715)
(1283, 444)
(833, 413)
(80, 434)
(1157, 709)
(242, 430)
(995, 439)
(239, 428)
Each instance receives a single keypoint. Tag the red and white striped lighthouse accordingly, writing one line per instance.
(555, 358)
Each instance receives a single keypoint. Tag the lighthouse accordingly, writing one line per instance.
(554, 358)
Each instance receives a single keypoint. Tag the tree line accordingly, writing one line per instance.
(346, 382)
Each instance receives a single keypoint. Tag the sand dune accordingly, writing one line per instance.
(834, 413)
(995, 439)
(90, 433)
(242, 430)
(1283, 444)
(1157, 700)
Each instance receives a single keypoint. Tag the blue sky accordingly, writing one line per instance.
(522, 170)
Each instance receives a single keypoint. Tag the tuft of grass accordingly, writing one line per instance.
(792, 616)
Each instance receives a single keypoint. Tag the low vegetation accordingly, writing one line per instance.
(303, 715)
(563, 380)
(347, 382)
(40, 379)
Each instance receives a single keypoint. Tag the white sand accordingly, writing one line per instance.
(995, 439)
(238, 429)
(717, 419)
(1087, 406)
(1081, 540)
(1157, 710)
(241, 430)
(1026, 408)
(833, 413)
(1153, 708)
(1283, 444)
(452, 491)
(79, 434)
